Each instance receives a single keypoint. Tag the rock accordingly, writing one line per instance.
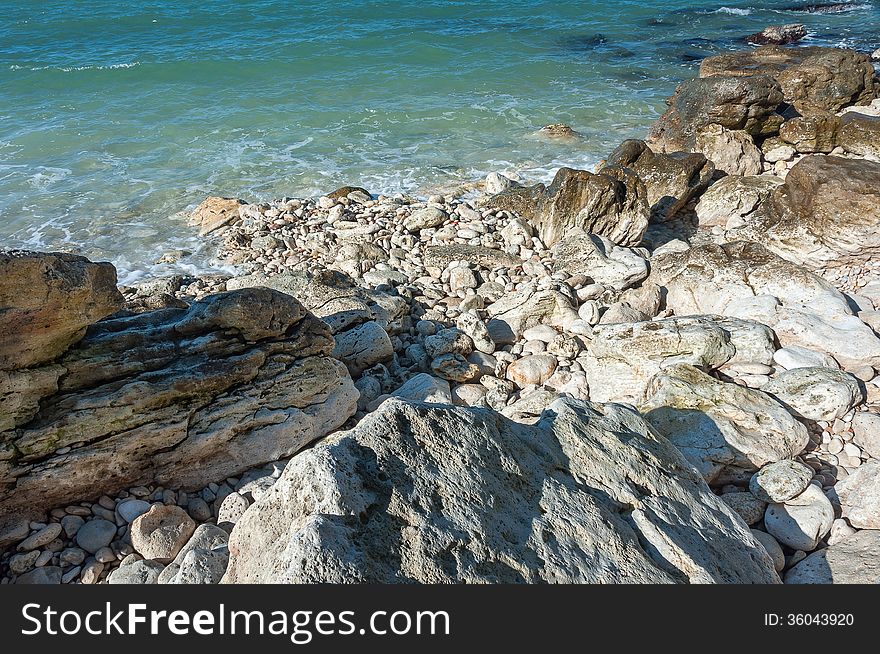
(731, 151)
(48, 301)
(202, 567)
(866, 432)
(531, 370)
(671, 180)
(745, 280)
(206, 538)
(236, 380)
(801, 522)
(859, 496)
(778, 34)
(816, 393)
(455, 367)
(854, 560)
(724, 430)
(813, 133)
(468, 394)
(161, 532)
(363, 346)
(136, 572)
(425, 388)
(130, 509)
(734, 195)
(812, 79)
(612, 204)
(231, 509)
(780, 481)
(599, 259)
(95, 534)
(469, 323)
(558, 131)
(772, 546)
(795, 356)
(622, 358)
(449, 341)
(733, 103)
(50, 574)
(515, 312)
(40, 538)
(441, 256)
(91, 572)
(840, 530)
(747, 506)
(345, 191)
(214, 213)
(13, 528)
(71, 524)
(754, 343)
(198, 509)
(620, 312)
(860, 134)
(577, 497)
(425, 219)
(21, 563)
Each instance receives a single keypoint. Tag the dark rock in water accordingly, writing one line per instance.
(812, 79)
(734, 103)
(778, 34)
(825, 7)
(689, 57)
(559, 131)
(583, 42)
(345, 190)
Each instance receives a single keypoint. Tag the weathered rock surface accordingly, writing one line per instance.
(46, 303)
(801, 522)
(816, 393)
(827, 214)
(780, 481)
(613, 204)
(778, 34)
(859, 496)
(854, 560)
(812, 79)
(731, 151)
(605, 263)
(734, 197)
(722, 429)
(745, 280)
(236, 380)
(587, 494)
(161, 532)
(214, 213)
(671, 180)
(622, 358)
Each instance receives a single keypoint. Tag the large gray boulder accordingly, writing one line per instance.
(853, 560)
(430, 494)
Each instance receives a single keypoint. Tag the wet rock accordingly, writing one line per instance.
(778, 34)
(214, 213)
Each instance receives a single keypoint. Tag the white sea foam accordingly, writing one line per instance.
(71, 69)
(736, 11)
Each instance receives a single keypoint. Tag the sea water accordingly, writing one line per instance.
(117, 116)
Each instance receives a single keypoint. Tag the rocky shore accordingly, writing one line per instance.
(664, 370)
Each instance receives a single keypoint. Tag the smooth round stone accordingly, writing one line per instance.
(95, 534)
(802, 521)
(71, 525)
(105, 555)
(780, 481)
(531, 370)
(136, 572)
(749, 507)
(795, 356)
(773, 548)
(543, 333)
(199, 509)
(43, 537)
(131, 509)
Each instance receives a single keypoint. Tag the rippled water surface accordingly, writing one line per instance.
(115, 116)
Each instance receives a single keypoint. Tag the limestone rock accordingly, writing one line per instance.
(722, 429)
(778, 34)
(731, 151)
(612, 203)
(816, 393)
(47, 301)
(859, 496)
(511, 315)
(161, 532)
(531, 370)
(214, 213)
(780, 481)
(598, 258)
(854, 560)
(866, 432)
(734, 196)
(860, 134)
(588, 494)
(801, 522)
(773, 549)
(363, 346)
(813, 133)
(137, 572)
(425, 388)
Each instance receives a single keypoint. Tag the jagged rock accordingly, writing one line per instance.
(827, 214)
(746, 280)
(588, 494)
(515, 312)
(814, 133)
(214, 213)
(778, 34)
(722, 429)
(47, 301)
(190, 396)
(671, 180)
(731, 151)
(622, 358)
(860, 134)
(812, 79)
(735, 197)
(612, 203)
(613, 266)
(854, 560)
(859, 496)
(734, 103)
(816, 393)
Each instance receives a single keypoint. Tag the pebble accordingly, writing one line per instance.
(41, 538)
(95, 534)
(780, 481)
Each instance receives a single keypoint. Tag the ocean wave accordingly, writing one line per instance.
(737, 11)
(71, 69)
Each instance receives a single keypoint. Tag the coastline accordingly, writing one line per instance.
(697, 276)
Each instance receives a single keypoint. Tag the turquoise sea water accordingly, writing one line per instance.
(114, 116)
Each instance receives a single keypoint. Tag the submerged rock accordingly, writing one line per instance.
(587, 494)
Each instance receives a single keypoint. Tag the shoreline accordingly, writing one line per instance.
(696, 277)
